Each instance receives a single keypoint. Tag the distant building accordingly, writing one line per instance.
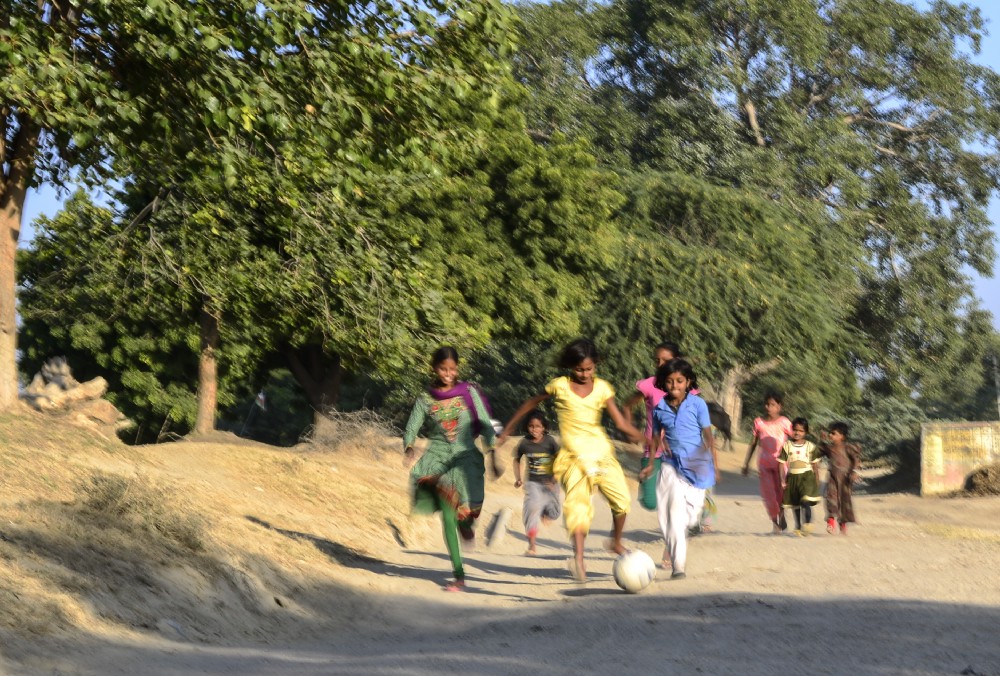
(950, 452)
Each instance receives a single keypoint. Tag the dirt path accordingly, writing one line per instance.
(914, 589)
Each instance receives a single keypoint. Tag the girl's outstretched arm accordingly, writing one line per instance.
(709, 440)
(413, 425)
(488, 433)
(658, 441)
(746, 463)
(623, 425)
(526, 407)
(630, 404)
(517, 471)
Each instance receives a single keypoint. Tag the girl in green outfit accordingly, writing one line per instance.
(801, 458)
(449, 476)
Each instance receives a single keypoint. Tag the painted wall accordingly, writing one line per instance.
(949, 452)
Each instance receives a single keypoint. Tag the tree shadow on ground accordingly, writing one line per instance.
(900, 480)
(596, 630)
(348, 557)
(351, 558)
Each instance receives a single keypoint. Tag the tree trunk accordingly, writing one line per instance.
(319, 374)
(730, 397)
(9, 230)
(731, 390)
(19, 167)
(208, 374)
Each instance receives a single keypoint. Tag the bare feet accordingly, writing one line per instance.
(614, 547)
(578, 570)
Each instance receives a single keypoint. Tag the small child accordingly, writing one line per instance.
(542, 501)
(843, 464)
(770, 433)
(801, 457)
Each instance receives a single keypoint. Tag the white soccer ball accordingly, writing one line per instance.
(634, 571)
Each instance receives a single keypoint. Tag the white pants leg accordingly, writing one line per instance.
(678, 506)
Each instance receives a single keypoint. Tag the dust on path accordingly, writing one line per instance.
(912, 590)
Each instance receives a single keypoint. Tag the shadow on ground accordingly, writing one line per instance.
(602, 630)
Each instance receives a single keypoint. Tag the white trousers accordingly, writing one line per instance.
(678, 507)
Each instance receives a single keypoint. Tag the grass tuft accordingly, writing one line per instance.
(135, 505)
(358, 429)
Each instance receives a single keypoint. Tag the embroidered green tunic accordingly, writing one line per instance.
(453, 467)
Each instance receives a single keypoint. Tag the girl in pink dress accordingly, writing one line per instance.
(770, 433)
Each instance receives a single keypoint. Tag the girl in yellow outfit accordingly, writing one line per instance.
(587, 459)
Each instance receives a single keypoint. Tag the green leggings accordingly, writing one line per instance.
(450, 524)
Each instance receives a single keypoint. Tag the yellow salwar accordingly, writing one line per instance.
(587, 458)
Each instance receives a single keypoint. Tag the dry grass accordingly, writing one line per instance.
(140, 508)
(359, 429)
(984, 481)
(215, 537)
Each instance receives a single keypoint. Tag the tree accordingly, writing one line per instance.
(498, 237)
(737, 280)
(311, 98)
(142, 89)
(90, 291)
(89, 85)
(864, 118)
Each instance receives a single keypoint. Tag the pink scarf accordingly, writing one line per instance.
(464, 390)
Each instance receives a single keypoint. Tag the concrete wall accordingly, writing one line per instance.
(949, 452)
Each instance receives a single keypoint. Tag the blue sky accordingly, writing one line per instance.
(46, 201)
(989, 289)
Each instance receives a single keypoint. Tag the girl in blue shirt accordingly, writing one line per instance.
(690, 465)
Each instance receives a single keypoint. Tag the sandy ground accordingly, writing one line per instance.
(913, 589)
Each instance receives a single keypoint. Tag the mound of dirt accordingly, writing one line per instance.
(209, 540)
(984, 481)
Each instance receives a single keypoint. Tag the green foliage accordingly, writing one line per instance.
(887, 428)
(961, 385)
(282, 419)
(731, 277)
(862, 121)
(389, 201)
(90, 292)
(812, 384)
(802, 183)
(513, 370)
